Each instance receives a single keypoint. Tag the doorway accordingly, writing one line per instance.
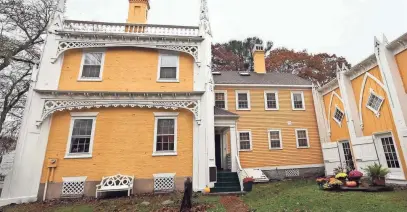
(346, 155)
(218, 151)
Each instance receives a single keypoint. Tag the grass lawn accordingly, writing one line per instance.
(305, 196)
(281, 196)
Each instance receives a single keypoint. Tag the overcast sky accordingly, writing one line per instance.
(343, 27)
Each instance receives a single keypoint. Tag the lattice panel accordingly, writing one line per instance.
(292, 172)
(164, 183)
(73, 188)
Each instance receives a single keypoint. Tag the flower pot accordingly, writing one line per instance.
(248, 186)
(379, 181)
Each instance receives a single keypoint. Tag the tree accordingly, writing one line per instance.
(23, 24)
(236, 55)
(318, 68)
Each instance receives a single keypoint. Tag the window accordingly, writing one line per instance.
(271, 100)
(297, 99)
(168, 69)
(92, 66)
(390, 152)
(221, 99)
(245, 139)
(338, 116)
(82, 132)
(242, 100)
(302, 138)
(348, 155)
(275, 141)
(374, 103)
(165, 139)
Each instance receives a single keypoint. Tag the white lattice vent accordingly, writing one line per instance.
(73, 186)
(164, 182)
(292, 173)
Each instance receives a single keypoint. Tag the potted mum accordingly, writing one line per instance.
(321, 181)
(355, 175)
(248, 184)
(377, 174)
(335, 184)
(342, 177)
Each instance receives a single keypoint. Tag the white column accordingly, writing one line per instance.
(321, 120)
(394, 89)
(233, 148)
(350, 105)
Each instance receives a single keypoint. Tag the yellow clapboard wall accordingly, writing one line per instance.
(401, 60)
(258, 120)
(126, 70)
(123, 143)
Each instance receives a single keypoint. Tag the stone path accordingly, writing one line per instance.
(233, 204)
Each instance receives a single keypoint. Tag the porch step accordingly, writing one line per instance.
(227, 182)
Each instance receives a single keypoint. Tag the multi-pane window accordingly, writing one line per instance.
(271, 99)
(348, 155)
(168, 67)
(302, 138)
(374, 103)
(220, 100)
(338, 116)
(242, 100)
(81, 136)
(92, 65)
(390, 152)
(245, 140)
(297, 99)
(165, 135)
(275, 139)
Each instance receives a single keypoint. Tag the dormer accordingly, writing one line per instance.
(138, 11)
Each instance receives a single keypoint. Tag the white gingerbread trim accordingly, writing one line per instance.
(51, 106)
(362, 89)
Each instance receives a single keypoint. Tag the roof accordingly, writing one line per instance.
(222, 112)
(273, 78)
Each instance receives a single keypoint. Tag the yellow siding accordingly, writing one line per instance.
(127, 70)
(401, 60)
(373, 124)
(338, 133)
(258, 120)
(123, 144)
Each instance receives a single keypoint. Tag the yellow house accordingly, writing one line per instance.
(364, 113)
(141, 100)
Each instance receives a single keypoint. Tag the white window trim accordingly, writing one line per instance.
(225, 93)
(265, 100)
(376, 112)
(334, 118)
(281, 139)
(165, 115)
(251, 140)
(248, 99)
(159, 67)
(102, 65)
(75, 116)
(296, 139)
(292, 100)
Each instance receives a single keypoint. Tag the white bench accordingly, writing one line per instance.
(115, 183)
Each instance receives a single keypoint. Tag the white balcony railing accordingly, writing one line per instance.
(125, 28)
(241, 173)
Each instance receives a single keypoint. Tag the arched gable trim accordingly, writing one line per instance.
(330, 108)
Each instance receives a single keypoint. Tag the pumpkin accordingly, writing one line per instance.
(207, 190)
(351, 184)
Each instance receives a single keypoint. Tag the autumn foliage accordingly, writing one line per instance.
(237, 56)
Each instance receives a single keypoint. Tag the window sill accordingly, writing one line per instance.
(158, 154)
(168, 80)
(305, 147)
(78, 156)
(90, 80)
(276, 149)
(299, 109)
(243, 109)
(272, 109)
(245, 150)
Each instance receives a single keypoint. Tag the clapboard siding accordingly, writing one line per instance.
(338, 132)
(401, 60)
(258, 120)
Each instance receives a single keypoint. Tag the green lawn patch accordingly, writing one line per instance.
(304, 195)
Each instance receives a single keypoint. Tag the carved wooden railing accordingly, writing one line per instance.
(126, 28)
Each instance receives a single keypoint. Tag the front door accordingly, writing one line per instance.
(346, 155)
(218, 150)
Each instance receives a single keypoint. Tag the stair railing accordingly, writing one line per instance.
(240, 172)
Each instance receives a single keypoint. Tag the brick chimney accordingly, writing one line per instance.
(259, 59)
(138, 11)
